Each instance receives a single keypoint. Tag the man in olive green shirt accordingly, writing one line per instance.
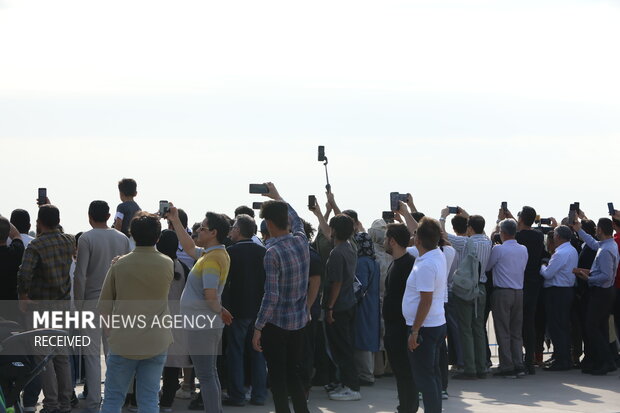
(136, 287)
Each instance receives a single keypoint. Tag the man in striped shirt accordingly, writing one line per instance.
(283, 314)
(471, 314)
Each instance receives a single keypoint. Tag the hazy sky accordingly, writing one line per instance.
(458, 102)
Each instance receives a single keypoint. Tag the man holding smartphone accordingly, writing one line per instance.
(600, 278)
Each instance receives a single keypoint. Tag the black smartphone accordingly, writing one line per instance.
(259, 189)
(453, 210)
(403, 197)
(311, 201)
(321, 153)
(41, 199)
(545, 221)
(257, 205)
(504, 206)
(572, 213)
(164, 208)
(394, 201)
(388, 217)
(610, 206)
(576, 206)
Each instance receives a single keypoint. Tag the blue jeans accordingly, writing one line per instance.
(120, 372)
(425, 367)
(239, 341)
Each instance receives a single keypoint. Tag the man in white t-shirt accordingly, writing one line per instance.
(423, 310)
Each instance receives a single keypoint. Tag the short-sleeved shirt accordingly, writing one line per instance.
(210, 271)
(429, 274)
(341, 268)
(316, 269)
(128, 209)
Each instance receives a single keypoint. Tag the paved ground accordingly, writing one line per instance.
(546, 392)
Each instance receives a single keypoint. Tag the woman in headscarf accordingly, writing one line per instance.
(377, 235)
(367, 318)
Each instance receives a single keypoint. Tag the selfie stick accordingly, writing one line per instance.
(328, 186)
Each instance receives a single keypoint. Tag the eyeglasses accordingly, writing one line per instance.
(201, 228)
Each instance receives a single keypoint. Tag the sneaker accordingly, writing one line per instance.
(74, 400)
(521, 372)
(183, 394)
(346, 394)
(331, 387)
(163, 409)
(444, 395)
(233, 402)
(336, 390)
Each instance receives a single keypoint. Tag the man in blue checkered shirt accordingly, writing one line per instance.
(283, 313)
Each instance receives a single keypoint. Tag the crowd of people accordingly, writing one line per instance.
(337, 306)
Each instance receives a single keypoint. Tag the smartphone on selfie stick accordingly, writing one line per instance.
(323, 158)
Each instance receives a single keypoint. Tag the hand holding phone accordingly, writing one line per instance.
(42, 196)
(259, 189)
(164, 208)
(311, 202)
(388, 217)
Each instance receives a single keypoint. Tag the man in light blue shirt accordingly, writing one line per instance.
(600, 280)
(508, 261)
(558, 287)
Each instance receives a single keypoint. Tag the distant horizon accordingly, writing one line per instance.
(459, 103)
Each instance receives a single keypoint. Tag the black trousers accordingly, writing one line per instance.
(170, 386)
(558, 305)
(531, 292)
(395, 342)
(600, 304)
(283, 350)
(340, 339)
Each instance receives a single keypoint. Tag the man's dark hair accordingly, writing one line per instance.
(128, 187)
(20, 218)
(429, 233)
(351, 213)
(244, 210)
(246, 224)
(589, 227)
(99, 211)
(563, 232)
(308, 229)
(145, 229)
(417, 216)
(5, 228)
(49, 216)
(219, 222)
(342, 227)
(399, 233)
(77, 238)
(528, 215)
(183, 217)
(459, 224)
(476, 222)
(276, 212)
(606, 226)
